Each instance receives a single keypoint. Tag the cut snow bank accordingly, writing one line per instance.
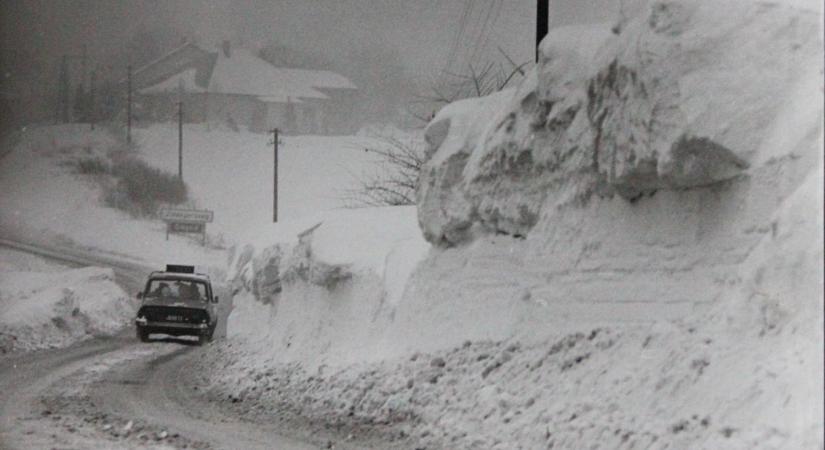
(625, 181)
(745, 374)
(326, 296)
(58, 308)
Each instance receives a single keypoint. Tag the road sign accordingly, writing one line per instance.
(186, 220)
(187, 227)
(186, 215)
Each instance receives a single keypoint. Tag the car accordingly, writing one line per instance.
(177, 302)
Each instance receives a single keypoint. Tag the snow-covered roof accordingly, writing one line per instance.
(245, 74)
(184, 80)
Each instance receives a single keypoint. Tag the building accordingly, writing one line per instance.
(236, 88)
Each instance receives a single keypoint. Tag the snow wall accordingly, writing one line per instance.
(644, 172)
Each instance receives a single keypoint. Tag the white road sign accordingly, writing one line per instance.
(186, 215)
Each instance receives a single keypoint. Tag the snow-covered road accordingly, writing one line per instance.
(118, 393)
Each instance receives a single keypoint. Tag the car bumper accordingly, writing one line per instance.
(159, 326)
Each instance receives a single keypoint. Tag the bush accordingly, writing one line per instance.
(91, 166)
(395, 176)
(142, 190)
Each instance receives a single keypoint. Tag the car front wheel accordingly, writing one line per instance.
(143, 335)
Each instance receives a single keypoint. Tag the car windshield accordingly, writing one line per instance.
(177, 290)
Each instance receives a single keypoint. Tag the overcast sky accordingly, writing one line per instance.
(426, 32)
(394, 50)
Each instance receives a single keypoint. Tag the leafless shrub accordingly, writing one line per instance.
(477, 81)
(91, 166)
(394, 177)
(141, 190)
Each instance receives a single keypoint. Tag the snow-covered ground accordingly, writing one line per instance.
(45, 305)
(231, 173)
(227, 172)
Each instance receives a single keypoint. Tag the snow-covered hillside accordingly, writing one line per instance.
(626, 253)
(231, 173)
(45, 200)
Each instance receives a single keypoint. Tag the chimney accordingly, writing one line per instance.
(227, 49)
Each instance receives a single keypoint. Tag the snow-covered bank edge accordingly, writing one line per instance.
(745, 373)
(58, 309)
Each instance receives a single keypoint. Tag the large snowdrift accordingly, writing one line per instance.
(687, 97)
(620, 177)
(326, 296)
(627, 251)
(57, 308)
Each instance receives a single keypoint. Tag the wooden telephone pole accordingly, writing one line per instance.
(180, 141)
(275, 133)
(129, 104)
(91, 111)
(542, 17)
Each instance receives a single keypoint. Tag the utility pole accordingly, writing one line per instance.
(63, 91)
(129, 104)
(275, 176)
(180, 141)
(542, 17)
(90, 108)
(84, 56)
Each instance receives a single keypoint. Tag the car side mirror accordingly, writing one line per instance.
(215, 299)
(140, 295)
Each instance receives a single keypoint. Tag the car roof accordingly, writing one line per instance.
(179, 276)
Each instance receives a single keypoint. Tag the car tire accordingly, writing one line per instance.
(203, 339)
(142, 335)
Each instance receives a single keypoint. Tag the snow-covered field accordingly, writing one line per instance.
(45, 305)
(231, 173)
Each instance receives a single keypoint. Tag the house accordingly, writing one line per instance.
(237, 88)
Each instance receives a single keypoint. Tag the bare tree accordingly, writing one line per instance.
(394, 177)
(475, 82)
(399, 160)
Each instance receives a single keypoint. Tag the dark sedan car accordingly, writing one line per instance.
(177, 302)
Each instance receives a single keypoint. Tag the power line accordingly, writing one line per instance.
(465, 14)
(480, 45)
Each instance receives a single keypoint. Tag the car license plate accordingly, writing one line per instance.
(174, 318)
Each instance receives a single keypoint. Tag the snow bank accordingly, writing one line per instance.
(685, 96)
(627, 253)
(326, 295)
(56, 309)
(619, 177)
(744, 374)
(624, 173)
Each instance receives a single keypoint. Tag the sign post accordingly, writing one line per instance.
(186, 221)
